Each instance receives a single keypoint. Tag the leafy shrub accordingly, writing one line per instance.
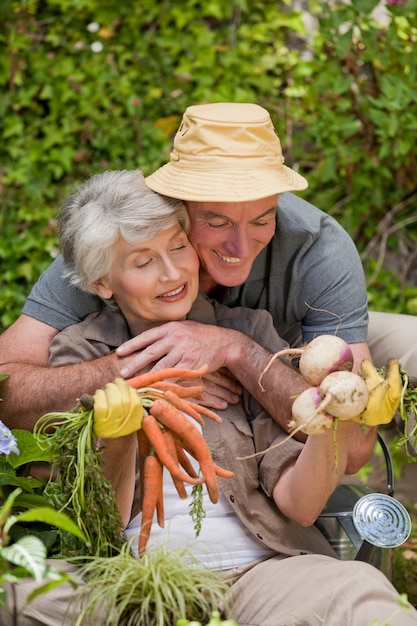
(97, 84)
(356, 142)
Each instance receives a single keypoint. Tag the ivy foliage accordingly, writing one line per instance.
(360, 106)
(89, 85)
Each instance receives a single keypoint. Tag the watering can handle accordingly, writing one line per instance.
(388, 464)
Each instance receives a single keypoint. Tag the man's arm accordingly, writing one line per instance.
(32, 388)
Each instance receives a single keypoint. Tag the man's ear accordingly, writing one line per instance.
(101, 288)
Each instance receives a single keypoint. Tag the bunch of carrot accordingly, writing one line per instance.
(165, 438)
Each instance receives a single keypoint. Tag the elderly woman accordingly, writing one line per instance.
(127, 244)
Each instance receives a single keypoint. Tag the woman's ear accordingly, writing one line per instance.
(101, 288)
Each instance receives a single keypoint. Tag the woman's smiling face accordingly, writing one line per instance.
(155, 280)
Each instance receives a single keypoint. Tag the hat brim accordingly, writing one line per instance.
(226, 185)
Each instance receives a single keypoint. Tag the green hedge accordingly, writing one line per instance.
(93, 84)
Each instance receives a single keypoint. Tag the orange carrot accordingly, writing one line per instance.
(170, 444)
(187, 465)
(182, 392)
(148, 379)
(143, 451)
(203, 410)
(152, 480)
(223, 473)
(183, 405)
(180, 425)
(183, 459)
(191, 438)
(160, 512)
(156, 439)
(194, 409)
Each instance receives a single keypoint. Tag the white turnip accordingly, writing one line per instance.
(341, 395)
(344, 395)
(320, 357)
(307, 416)
(323, 355)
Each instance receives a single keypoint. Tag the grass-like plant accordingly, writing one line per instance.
(158, 589)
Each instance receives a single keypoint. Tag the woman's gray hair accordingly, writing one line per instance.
(111, 206)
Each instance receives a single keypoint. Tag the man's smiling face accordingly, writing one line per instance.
(228, 236)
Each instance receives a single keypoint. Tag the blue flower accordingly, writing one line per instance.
(8, 441)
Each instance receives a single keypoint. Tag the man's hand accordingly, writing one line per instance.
(184, 344)
(220, 390)
(117, 410)
(384, 393)
(189, 345)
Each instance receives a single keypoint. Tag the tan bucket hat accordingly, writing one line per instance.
(225, 152)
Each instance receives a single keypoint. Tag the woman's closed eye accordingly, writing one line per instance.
(144, 260)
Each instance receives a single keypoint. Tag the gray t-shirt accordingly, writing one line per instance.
(309, 277)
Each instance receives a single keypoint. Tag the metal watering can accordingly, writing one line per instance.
(363, 525)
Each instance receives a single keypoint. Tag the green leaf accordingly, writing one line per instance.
(3, 598)
(365, 6)
(29, 553)
(59, 577)
(6, 507)
(29, 447)
(8, 476)
(52, 517)
(28, 500)
(27, 483)
(5, 469)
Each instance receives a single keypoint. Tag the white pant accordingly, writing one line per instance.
(309, 590)
(392, 335)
